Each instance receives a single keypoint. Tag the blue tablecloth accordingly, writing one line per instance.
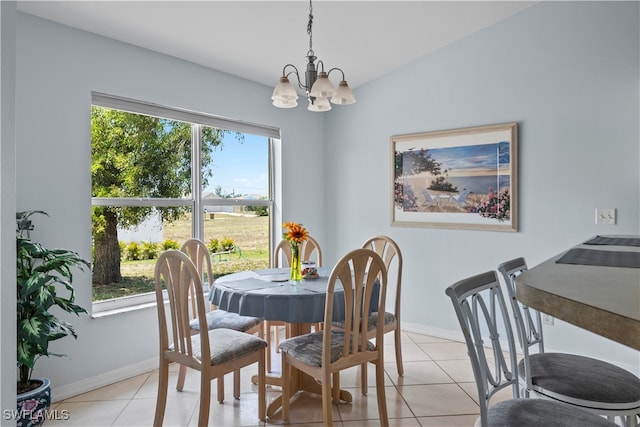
(267, 294)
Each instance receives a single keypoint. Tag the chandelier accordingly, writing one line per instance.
(317, 85)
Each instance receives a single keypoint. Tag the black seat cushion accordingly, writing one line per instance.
(541, 413)
(583, 378)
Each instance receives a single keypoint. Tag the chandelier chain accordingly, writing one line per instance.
(309, 27)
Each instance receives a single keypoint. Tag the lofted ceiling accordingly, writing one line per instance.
(255, 39)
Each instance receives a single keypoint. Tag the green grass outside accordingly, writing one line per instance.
(249, 233)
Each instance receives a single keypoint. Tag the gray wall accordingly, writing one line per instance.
(7, 208)
(57, 68)
(567, 72)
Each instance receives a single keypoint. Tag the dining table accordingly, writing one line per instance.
(268, 294)
(594, 285)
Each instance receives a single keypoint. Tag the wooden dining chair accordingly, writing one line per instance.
(213, 353)
(199, 254)
(581, 381)
(323, 354)
(482, 313)
(389, 251)
(310, 250)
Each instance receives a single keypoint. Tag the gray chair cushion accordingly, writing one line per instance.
(373, 320)
(226, 319)
(308, 348)
(227, 344)
(541, 413)
(583, 378)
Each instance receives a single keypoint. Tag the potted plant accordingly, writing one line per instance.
(41, 274)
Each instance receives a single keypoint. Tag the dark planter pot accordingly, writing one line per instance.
(33, 406)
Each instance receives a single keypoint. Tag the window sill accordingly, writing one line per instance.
(120, 310)
(120, 305)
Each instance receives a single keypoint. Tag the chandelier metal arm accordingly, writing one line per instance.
(295, 72)
(334, 69)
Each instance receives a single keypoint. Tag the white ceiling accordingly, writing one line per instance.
(255, 39)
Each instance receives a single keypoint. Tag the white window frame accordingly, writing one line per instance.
(134, 302)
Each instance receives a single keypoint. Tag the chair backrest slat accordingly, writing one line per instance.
(482, 313)
(201, 258)
(528, 320)
(360, 273)
(310, 250)
(199, 255)
(390, 252)
(182, 281)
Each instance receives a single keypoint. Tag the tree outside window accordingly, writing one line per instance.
(144, 164)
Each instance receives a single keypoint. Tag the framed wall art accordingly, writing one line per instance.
(461, 178)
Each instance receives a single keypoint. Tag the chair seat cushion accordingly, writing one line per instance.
(388, 319)
(308, 348)
(583, 378)
(225, 319)
(373, 320)
(227, 344)
(541, 412)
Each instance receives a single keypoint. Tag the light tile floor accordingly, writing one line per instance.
(437, 389)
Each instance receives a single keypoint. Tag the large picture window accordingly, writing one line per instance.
(161, 176)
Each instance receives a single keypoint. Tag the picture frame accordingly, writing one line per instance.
(459, 178)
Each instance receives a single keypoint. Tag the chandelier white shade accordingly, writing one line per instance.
(343, 94)
(318, 87)
(284, 95)
(319, 104)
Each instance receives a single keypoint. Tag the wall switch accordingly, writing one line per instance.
(547, 320)
(605, 216)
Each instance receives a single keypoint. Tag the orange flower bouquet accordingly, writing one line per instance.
(295, 235)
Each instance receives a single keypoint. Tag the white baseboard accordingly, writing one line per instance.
(108, 378)
(434, 332)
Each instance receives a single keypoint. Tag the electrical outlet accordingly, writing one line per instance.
(605, 216)
(547, 319)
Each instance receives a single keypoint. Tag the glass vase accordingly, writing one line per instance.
(296, 264)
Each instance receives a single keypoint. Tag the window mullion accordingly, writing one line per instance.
(196, 182)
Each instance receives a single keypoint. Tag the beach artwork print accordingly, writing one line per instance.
(463, 178)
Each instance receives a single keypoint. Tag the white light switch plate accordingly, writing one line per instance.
(605, 216)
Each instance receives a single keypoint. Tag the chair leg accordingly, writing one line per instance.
(262, 390)
(398, 337)
(380, 392)
(327, 400)
(182, 374)
(286, 381)
(335, 387)
(220, 381)
(161, 400)
(205, 400)
(236, 384)
(267, 333)
(364, 382)
(625, 420)
(276, 337)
